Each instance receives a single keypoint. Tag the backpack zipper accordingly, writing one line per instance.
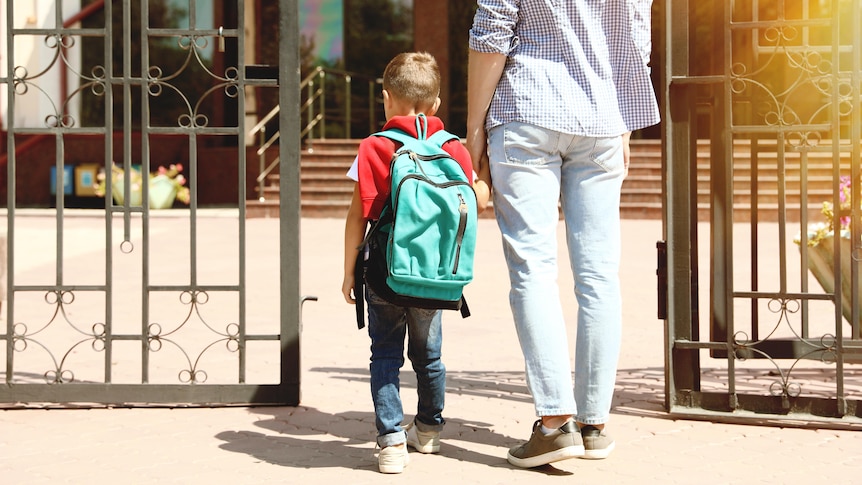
(462, 227)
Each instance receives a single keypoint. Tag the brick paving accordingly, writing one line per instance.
(329, 437)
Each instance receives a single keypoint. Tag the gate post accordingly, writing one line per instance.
(680, 213)
(289, 211)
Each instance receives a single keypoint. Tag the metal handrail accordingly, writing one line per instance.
(316, 93)
(314, 87)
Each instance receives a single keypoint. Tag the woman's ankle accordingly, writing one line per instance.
(554, 422)
(597, 426)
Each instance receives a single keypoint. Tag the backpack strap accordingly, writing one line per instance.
(359, 288)
(465, 310)
(360, 270)
(442, 137)
(439, 138)
(421, 126)
(395, 134)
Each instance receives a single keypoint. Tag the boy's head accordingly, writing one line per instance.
(411, 84)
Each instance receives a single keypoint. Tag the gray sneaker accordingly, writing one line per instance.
(562, 444)
(422, 441)
(597, 444)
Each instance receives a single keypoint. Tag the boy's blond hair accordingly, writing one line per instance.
(413, 77)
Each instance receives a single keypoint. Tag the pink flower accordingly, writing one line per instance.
(844, 196)
(843, 188)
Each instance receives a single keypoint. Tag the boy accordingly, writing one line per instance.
(411, 86)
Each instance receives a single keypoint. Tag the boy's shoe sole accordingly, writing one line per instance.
(562, 444)
(597, 445)
(393, 459)
(423, 442)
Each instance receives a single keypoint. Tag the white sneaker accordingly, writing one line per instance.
(393, 459)
(422, 441)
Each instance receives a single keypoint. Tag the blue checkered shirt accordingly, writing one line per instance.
(573, 66)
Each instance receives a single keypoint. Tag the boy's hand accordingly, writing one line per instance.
(483, 194)
(347, 287)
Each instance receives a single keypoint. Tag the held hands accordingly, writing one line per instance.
(482, 183)
(482, 187)
(477, 146)
(626, 152)
(483, 194)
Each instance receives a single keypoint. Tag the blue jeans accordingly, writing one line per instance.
(532, 169)
(387, 326)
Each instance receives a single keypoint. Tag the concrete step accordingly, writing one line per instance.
(326, 191)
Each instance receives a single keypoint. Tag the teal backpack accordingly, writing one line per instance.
(420, 250)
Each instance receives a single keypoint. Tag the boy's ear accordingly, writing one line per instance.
(434, 108)
(387, 99)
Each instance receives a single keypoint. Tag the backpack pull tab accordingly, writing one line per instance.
(421, 129)
(462, 226)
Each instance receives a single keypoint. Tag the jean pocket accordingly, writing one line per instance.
(525, 144)
(607, 153)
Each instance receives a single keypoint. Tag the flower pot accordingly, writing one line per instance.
(117, 192)
(162, 193)
(820, 263)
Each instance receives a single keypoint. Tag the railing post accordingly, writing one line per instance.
(348, 116)
(262, 161)
(322, 131)
(310, 110)
(372, 115)
(314, 110)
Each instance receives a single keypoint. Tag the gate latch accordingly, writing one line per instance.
(661, 275)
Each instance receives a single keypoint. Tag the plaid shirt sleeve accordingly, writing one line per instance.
(629, 35)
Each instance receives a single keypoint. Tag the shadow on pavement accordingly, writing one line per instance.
(305, 437)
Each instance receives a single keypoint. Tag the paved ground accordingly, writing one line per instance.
(329, 437)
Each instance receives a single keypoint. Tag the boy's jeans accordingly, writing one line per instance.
(387, 325)
(532, 169)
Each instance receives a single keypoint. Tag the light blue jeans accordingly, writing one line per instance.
(532, 169)
(388, 325)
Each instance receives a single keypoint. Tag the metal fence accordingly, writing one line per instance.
(756, 329)
(130, 304)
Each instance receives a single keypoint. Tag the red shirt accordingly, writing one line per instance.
(375, 153)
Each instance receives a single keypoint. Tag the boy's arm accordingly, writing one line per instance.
(354, 232)
(483, 74)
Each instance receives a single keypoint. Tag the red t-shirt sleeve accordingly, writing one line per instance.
(373, 171)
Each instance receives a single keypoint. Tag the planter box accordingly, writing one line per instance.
(820, 263)
(162, 193)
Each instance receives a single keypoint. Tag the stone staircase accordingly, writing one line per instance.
(326, 191)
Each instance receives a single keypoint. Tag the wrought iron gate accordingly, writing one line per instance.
(131, 305)
(762, 127)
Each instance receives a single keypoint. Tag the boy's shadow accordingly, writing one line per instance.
(304, 437)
